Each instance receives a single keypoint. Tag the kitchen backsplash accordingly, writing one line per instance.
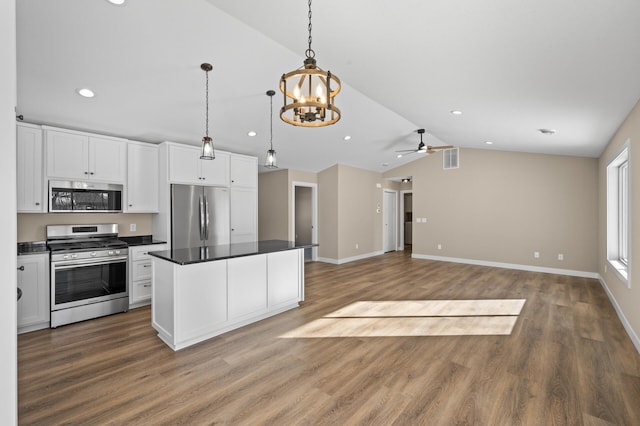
(33, 226)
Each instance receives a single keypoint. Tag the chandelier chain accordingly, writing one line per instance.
(310, 53)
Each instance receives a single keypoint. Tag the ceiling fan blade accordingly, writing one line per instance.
(407, 150)
(434, 148)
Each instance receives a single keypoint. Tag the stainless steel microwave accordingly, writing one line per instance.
(75, 196)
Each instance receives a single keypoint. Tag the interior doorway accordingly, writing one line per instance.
(304, 216)
(406, 219)
(389, 221)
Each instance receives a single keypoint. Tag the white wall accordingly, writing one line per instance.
(8, 321)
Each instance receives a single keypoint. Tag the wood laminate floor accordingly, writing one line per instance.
(565, 360)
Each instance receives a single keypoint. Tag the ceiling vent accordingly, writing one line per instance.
(450, 158)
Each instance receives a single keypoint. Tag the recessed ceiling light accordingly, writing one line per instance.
(489, 142)
(346, 138)
(399, 156)
(117, 2)
(456, 112)
(547, 131)
(385, 164)
(86, 93)
(251, 133)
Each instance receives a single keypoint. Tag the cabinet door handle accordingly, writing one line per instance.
(146, 285)
(21, 268)
(145, 253)
(91, 173)
(37, 204)
(86, 173)
(130, 205)
(19, 293)
(146, 266)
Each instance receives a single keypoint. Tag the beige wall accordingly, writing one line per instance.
(628, 299)
(328, 213)
(273, 205)
(359, 221)
(33, 226)
(502, 206)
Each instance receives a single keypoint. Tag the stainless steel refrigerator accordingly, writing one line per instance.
(199, 216)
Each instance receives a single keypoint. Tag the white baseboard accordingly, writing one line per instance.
(349, 259)
(627, 326)
(531, 268)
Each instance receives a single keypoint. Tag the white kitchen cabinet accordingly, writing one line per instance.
(140, 273)
(283, 276)
(142, 178)
(29, 167)
(244, 215)
(82, 156)
(33, 283)
(247, 285)
(197, 301)
(186, 167)
(244, 171)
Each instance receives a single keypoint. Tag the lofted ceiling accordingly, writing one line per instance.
(510, 67)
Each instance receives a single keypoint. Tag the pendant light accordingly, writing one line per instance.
(270, 162)
(207, 143)
(309, 93)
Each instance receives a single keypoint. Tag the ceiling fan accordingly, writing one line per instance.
(422, 148)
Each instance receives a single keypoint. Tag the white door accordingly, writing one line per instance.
(389, 222)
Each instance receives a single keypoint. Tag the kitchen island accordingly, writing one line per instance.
(202, 292)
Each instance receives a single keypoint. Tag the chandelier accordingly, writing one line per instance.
(270, 161)
(309, 93)
(207, 143)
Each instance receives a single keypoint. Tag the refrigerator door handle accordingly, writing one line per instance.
(201, 217)
(206, 216)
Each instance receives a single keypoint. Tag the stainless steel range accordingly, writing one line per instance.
(88, 272)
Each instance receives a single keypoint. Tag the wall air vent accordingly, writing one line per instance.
(450, 158)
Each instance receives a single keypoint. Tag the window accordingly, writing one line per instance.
(618, 213)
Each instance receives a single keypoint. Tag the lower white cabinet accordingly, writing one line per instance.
(140, 273)
(247, 277)
(195, 302)
(33, 288)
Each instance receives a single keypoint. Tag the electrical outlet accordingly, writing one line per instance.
(357, 246)
(536, 254)
(605, 267)
(132, 227)
(439, 246)
(560, 256)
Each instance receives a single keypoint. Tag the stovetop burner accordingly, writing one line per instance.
(78, 238)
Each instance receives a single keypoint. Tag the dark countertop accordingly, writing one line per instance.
(140, 240)
(35, 247)
(187, 256)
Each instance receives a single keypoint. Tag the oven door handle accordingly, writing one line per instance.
(88, 262)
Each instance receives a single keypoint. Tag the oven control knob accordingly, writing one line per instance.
(73, 256)
(117, 251)
(94, 254)
(65, 256)
(110, 252)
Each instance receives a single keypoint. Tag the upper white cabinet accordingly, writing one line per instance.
(142, 178)
(244, 171)
(244, 199)
(76, 155)
(33, 290)
(244, 215)
(29, 169)
(186, 167)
